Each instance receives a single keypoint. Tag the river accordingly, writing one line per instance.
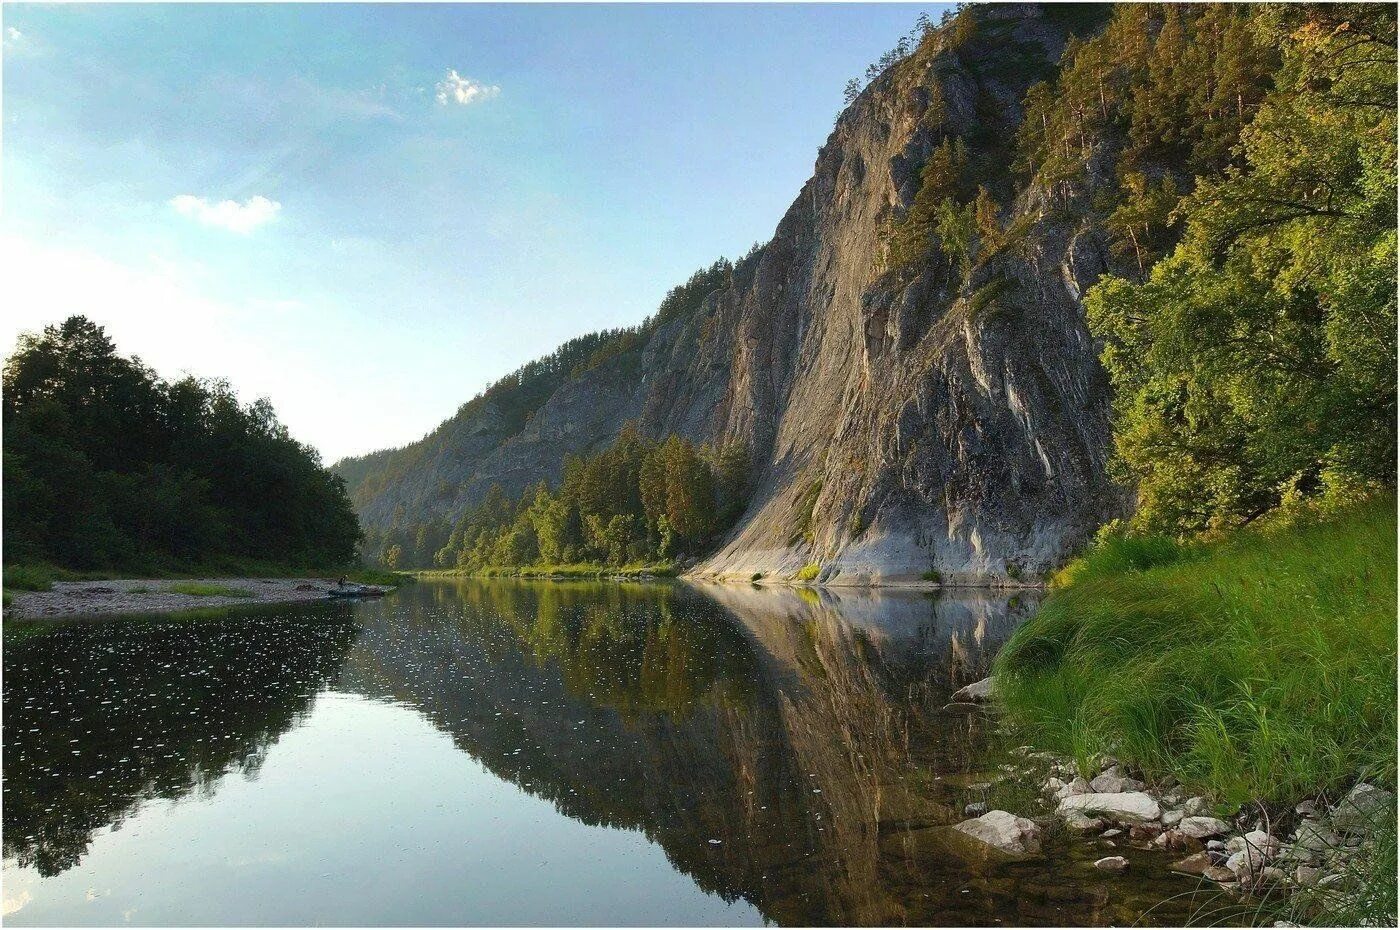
(516, 753)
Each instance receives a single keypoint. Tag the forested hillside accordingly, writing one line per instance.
(109, 467)
(1056, 266)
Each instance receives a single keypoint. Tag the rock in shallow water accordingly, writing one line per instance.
(1112, 864)
(1193, 865)
(1175, 839)
(1124, 807)
(1202, 827)
(1003, 831)
(978, 691)
(1218, 873)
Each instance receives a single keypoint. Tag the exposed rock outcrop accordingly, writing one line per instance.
(902, 418)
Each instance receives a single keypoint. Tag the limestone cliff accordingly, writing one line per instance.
(904, 417)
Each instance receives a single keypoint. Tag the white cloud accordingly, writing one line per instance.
(236, 217)
(13, 35)
(457, 89)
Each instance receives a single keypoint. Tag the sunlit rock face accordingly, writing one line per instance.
(901, 419)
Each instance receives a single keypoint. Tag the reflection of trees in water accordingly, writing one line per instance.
(799, 738)
(783, 747)
(100, 718)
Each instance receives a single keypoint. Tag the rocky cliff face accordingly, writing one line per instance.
(902, 418)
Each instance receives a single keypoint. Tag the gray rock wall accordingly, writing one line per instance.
(950, 426)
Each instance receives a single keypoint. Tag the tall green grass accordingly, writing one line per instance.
(1258, 667)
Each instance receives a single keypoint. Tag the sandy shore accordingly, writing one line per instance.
(137, 595)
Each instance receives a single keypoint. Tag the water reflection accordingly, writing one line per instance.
(100, 718)
(786, 749)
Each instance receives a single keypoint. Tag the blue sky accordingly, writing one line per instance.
(369, 212)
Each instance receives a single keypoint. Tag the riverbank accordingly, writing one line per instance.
(159, 595)
(562, 572)
(1256, 672)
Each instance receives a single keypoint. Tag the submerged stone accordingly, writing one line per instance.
(1003, 831)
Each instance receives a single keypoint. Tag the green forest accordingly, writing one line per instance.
(638, 502)
(1239, 163)
(1237, 631)
(109, 467)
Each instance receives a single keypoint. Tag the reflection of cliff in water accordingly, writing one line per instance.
(100, 718)
(782, 746)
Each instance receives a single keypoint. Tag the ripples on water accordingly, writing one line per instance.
(520, 753)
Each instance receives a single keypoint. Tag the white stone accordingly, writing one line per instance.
(1362, 808)
(1196, 807)
(1251, 853)
(1202, 827)
(982, 690)
(1112, 864)
(1006, 832)
(1076, 786)
(1239, 864)
(1312, 836)
(1266, 845)
(1083, 823)
(1306, 876)
(1171, 818)
(1109, 782)
(1124, 807)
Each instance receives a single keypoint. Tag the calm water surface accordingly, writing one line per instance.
(522, 753)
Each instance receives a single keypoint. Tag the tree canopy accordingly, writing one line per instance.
(1257, 361)
(639, 500)
(108, 466)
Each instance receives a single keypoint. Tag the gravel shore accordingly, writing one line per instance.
(137, 595)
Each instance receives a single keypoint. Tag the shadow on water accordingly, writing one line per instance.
(785, 747)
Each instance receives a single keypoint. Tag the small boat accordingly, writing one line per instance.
(357, 590)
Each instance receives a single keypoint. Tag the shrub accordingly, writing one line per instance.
(28, 578)
(808, 572)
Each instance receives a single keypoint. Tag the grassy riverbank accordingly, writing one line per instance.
(1259, 667)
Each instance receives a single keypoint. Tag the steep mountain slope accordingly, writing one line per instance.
(907, 410)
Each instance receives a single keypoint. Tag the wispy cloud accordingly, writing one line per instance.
(17, 43)
(237, 217)
(462, 90)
